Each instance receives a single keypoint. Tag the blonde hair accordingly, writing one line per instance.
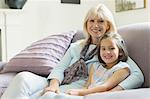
(123, 56)
(103, 12)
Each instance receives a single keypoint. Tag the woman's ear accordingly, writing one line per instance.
(108, 27)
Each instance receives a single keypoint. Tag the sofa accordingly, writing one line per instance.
(137, 40)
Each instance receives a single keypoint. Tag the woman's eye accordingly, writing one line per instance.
(101, 21)
(91, 20)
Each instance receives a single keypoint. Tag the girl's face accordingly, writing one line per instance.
(96, 26)
(109, 52)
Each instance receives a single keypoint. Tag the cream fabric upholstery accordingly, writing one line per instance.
(137, 37)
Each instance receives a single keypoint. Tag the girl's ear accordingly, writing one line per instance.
(120, 54)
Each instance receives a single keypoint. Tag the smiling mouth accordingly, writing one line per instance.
(107, 57)
(97, 30)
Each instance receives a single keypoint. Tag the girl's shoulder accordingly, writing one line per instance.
(119, 66)
(122, 65)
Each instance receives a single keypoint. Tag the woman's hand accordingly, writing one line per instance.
(53, 87)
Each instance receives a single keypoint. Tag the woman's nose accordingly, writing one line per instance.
(96, 25)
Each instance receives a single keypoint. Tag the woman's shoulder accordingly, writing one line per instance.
(79, 43)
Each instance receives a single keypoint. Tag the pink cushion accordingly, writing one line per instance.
(41, 56)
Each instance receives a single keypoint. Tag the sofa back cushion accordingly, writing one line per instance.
(137, 40)
(78, 36)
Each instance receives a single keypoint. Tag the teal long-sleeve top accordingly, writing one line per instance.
(134, 80)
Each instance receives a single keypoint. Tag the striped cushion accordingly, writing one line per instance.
(41, 56)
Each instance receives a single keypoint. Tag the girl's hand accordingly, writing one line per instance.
(77, 92)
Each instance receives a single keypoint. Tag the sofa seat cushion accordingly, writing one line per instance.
(5, 79)
(143, 93)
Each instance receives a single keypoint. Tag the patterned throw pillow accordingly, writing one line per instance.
(41, 56)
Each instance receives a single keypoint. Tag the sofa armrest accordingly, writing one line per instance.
(137, 41)
(2, 64)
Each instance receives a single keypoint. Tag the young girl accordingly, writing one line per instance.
(113, 55)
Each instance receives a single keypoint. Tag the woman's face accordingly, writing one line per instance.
(109, 51)
(96, 27)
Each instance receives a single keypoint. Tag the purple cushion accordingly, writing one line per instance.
(41, 56)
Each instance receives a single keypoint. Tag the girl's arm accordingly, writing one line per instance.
(113, 81)
(90, 78)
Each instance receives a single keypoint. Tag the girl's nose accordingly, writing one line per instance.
(107, 51)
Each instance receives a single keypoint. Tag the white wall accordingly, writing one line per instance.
(133, 16)
(62, 17)
(22, 27)
(40, 18)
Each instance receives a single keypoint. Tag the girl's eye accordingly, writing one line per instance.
(112, 48)
(103, 49)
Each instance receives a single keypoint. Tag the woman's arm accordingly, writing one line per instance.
(57, 74)
(53, 87)
(134, 80)
(58, 71)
